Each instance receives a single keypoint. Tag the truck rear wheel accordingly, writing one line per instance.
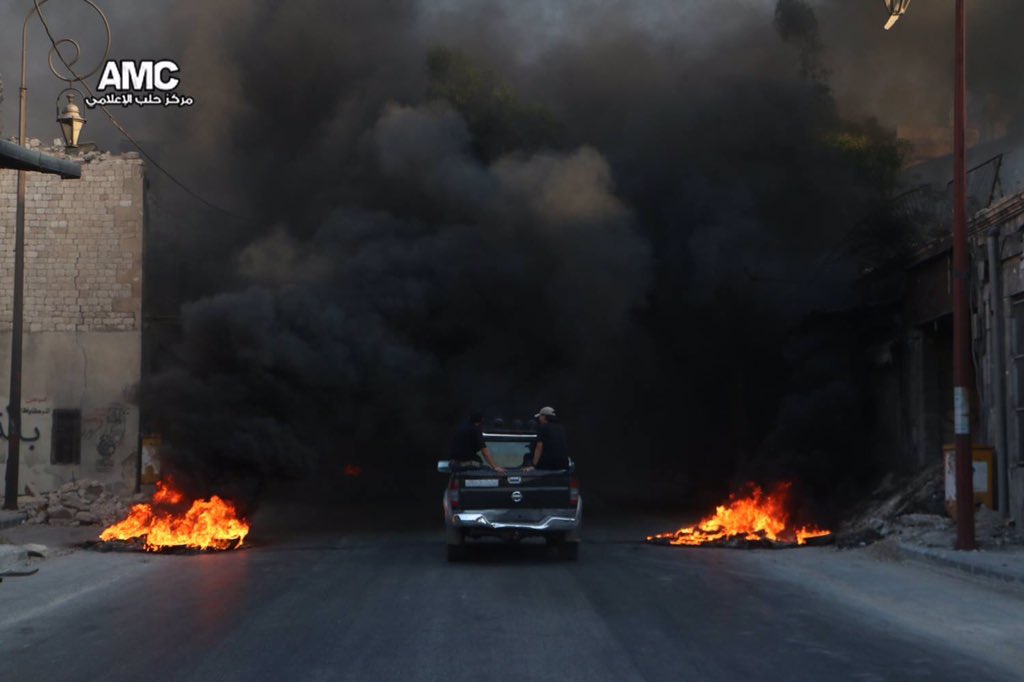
(554, 540)
(456, 553)
(456, 544)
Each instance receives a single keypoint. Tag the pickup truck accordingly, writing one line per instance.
(480, 502)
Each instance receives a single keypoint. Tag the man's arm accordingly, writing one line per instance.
(490, 460)
(536, 454)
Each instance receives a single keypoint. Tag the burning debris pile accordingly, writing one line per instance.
(754, 520)
(77, 503)
(171, 521)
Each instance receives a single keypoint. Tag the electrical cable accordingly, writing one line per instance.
(127, 135)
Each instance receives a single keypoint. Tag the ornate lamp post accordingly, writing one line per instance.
(963, 367)
(75, 125)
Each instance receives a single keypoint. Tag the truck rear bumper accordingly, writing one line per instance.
(530, 521)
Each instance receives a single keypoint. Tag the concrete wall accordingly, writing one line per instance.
(83, 315)
(926, 341)
(1012, 275)
(1017, 495)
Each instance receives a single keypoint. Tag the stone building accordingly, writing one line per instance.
(998, 330)
(920, 351)
(82, 320)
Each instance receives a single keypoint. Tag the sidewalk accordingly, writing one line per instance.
(59, 539)
(1006, 563)
(26, 547)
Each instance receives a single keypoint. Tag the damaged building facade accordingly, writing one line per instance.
(997, 241)
(920, 360)
(82, 321)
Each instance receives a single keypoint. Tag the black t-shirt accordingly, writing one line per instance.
(468, 441)
(555, 454)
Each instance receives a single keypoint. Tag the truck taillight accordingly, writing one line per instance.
(574, 490)
(453, 492)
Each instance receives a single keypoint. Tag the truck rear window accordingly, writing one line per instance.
(510, 454)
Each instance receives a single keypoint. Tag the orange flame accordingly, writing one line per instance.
(212, 523)
(754, 517)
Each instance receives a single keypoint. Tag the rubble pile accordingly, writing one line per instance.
(78, 503)
(913, 510)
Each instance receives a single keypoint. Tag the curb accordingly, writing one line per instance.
(11, 519)
(939, 558)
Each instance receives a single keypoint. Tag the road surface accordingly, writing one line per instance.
(351, 602)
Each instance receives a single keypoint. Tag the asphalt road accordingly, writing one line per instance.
(347, 602)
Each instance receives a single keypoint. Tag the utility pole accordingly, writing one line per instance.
(963, 363)
(17, 316)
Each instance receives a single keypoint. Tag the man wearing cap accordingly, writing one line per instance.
(469, 440)
(551, 451)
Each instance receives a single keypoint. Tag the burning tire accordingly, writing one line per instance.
(750, 521)
(171, 521)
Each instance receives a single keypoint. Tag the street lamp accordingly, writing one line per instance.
(14, 435)
(70, 120)
(963, 367)
(897, 8)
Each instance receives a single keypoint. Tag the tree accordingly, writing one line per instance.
(498, 119)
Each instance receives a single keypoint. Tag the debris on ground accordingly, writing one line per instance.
(15, 561)
(913, 509)
(34, 549)
(79, 503)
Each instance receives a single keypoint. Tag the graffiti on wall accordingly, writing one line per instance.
(35, 430)
(105, 429)
(25, 437)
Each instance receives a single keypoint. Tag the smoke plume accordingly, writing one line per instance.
(443, 207)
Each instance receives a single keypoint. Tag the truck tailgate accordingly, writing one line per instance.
(533, 490)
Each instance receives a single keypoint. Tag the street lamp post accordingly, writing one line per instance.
(17, 316)
(897, 8)
(963, 364)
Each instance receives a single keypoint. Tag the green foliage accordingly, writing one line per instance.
(876, 153)
(797, 24)
(499, 121)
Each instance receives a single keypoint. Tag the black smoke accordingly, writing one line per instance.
(436, 213)
(905, 76)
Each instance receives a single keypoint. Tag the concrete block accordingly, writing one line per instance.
(11, 557)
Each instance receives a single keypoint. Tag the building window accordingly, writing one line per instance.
(66, 444)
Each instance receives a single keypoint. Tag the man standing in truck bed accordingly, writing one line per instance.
(551, 452)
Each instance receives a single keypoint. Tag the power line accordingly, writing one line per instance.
(156, 164)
